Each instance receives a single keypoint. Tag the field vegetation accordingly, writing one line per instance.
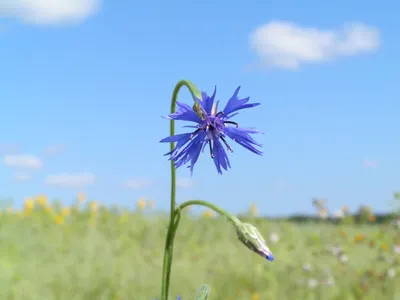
(85, 251)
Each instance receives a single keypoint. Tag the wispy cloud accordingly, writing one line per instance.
(54, 149)
(47, 12)
(370, 163)
(282, 186)
(137, 183)
(286, 45)
(6, 148)
(71, 180)
(23, 161)
(3, 28)
(185, 183)
(22, 177)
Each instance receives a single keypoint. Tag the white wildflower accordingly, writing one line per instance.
(391, 273)
(307, 267)
(274, 237)
(330, 281)
(323, 213)
(335, 250)
(339, 214)
(343, 258)
(396, 223)
(312, 283)
(396, 249)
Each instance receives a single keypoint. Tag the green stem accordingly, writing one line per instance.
(173, 226)
(231, 218)
(171, 242)
(168, 249)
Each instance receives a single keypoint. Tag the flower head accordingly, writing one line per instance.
(211, 129)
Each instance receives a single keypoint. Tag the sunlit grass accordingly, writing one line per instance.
(86, 251)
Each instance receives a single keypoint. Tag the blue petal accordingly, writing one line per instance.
(242, 137)
(220, 157)
(184, 113)
(269, 257)
(176, 138)
(191, 152)
(178, 146)
(235, 104)
(209, 101)
(196, 151)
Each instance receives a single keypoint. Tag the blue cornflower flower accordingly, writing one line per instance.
(212, 127)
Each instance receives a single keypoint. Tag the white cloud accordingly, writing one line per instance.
(22, 161)
(49, 11)
(184, 183)
(71, 180)
(137, 183)
(369, 163)
(22, 177)
(287, 45)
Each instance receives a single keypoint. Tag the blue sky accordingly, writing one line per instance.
(83, 86)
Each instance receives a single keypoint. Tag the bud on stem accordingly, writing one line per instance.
(252, 239)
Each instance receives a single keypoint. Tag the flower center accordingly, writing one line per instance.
(213, 127)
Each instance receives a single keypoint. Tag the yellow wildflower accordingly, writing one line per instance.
(255, 296)
(59, 220)
(48, 209)
(65, 211)
(29, 205)
(94, 207)
(208, 213)
(81, 197)
(141, 203)
(41, 200)
(253, 210)
(359, 238)
(384, 247)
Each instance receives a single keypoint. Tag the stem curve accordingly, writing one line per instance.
(173, 224)
(231, 218)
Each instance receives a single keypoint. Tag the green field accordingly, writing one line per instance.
(96, 253)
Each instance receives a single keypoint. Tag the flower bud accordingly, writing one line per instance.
(252, 239)
(203, 292)
(198, 109)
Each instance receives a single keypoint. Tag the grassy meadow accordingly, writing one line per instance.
(89, 252)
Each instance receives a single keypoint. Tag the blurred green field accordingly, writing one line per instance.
(89, 252)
